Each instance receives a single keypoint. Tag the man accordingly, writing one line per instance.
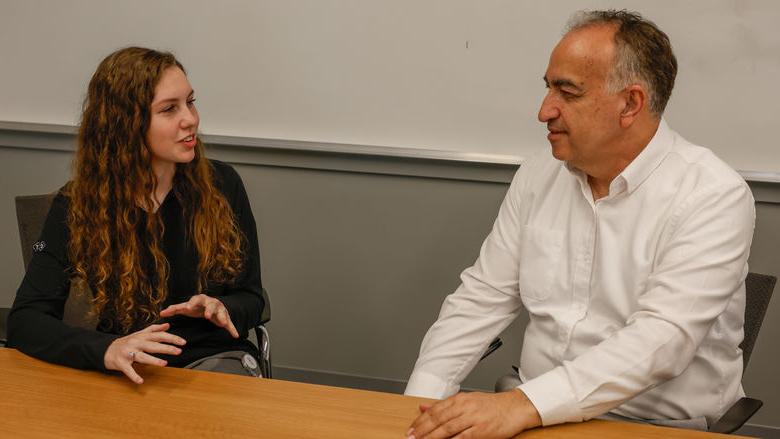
(628, 248)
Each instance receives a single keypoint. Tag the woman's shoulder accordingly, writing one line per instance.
(226, 178)
(221, 167)
(224, 172)
(57, 201)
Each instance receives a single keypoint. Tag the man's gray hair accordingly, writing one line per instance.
(643, 54)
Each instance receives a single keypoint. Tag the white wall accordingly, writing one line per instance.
(392, 73)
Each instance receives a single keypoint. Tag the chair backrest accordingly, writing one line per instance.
(31, 213)
(265, 316)
(759, 288)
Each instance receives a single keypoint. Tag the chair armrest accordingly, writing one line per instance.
(495, 344)
(736, 415)
(264, 346)
(4, 325)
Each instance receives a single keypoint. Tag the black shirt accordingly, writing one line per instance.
(35, 324)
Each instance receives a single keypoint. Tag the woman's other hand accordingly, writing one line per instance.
(138, 347)
(203, 306)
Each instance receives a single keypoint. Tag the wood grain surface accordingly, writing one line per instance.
(40, 400)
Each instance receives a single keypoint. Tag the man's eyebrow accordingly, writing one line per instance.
(560, 83)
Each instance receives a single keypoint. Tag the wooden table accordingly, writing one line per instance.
(38, 399)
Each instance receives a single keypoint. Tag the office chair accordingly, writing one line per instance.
(758, 290)
(3, 318)
(31, 212)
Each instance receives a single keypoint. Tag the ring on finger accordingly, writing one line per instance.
(132, 355)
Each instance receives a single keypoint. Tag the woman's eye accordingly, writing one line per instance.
(191, 102)
(168, 109)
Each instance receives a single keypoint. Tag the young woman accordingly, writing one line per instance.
(164, 237)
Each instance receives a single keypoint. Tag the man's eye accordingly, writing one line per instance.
(568, 95)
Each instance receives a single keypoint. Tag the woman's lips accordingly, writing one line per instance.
(190, 141)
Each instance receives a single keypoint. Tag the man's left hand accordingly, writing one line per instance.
(203, 306)
(478, 415)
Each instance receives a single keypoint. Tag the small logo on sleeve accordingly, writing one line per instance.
(39, 246)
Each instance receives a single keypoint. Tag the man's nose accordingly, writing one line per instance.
(548, 110)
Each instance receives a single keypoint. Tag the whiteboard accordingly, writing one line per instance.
(450, 75)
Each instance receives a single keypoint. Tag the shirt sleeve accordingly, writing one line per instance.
(485, 303)
(35, 324)
(243, 299)
(699, 269)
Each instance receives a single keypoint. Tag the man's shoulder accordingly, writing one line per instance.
(700, 163)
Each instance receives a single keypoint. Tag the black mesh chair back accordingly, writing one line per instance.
(31, 211)
(758, 292)
(759, 288)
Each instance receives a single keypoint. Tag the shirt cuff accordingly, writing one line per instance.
(427, 385)
(96, 351)
(243, 310)
(553, 398)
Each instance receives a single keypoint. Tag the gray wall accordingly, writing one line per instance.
(358, 252)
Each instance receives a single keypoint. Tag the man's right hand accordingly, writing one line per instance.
(476, 414)
(138, 347)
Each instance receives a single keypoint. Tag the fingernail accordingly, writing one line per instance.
(409, 433)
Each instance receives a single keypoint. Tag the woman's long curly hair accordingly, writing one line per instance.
(113, 182)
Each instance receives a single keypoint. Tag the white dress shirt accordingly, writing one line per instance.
(636, 301)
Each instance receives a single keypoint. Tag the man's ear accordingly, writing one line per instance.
(635, 102)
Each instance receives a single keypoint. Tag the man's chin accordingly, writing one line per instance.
(559, 152)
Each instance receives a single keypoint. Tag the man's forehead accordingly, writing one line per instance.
(591, 36)
(581, 54)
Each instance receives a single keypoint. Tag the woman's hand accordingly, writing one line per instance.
(206, 307)
(138, 347)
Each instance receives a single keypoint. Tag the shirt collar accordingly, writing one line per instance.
(648, 160)
(640, 168)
